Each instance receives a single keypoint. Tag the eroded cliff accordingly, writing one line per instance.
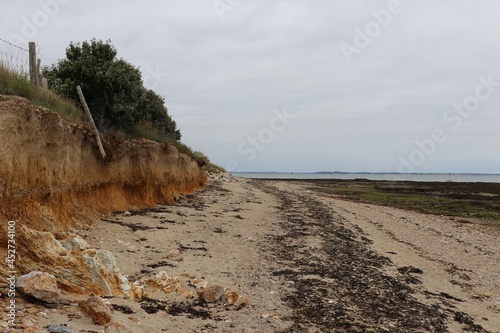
(53, 180)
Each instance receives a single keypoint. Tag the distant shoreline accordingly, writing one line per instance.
(366, 173)
(388, 176)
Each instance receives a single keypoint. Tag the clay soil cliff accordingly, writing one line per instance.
(53, 180)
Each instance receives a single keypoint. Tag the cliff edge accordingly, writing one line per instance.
(53, 180)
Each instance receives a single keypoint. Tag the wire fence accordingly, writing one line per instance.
(21, 61)
(14, 58)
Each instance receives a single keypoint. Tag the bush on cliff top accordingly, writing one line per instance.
(113, 89)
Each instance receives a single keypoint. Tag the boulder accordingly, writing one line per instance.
(40, 285)
(78, 267)
(96, 309)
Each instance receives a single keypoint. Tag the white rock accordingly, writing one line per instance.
(76, 244)
(40, 285)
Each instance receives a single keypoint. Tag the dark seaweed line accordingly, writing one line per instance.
(347, 292)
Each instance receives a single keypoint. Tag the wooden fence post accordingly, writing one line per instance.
(86, 107)
(33, 63)
(39, 76)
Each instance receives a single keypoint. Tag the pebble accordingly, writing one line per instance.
(211, 294)
(59, 329)
(174, 255)
(74, 315)
(270, 315)
(134, 319)
(27, 321)
(97, 309)
(32, 310)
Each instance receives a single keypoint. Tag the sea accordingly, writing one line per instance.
(417, 177)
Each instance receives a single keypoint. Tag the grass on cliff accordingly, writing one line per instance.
(19, 85)
(12, 83)
(147, 131)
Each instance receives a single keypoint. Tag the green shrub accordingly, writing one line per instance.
(113, 88)
(214, 168)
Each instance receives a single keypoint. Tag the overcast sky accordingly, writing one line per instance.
(262, 85)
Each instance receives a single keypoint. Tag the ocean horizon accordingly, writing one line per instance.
(389, 176)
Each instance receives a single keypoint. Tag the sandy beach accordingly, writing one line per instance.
(296, 261)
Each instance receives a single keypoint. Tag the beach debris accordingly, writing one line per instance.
(174, 255)
(74, 315)
(130, 248)
(487, 295)
(410, 270)
(270, 315)
(134, 319)
(95, 308)
(40, 285)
